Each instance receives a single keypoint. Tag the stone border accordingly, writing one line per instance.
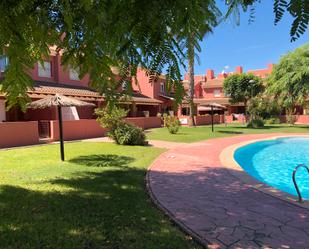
(227, 160)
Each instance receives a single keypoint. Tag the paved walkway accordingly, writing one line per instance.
(193, 187)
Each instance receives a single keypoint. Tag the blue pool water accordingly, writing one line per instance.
(273, 162)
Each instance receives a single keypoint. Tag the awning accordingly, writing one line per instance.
(167, 97)
(205, 108)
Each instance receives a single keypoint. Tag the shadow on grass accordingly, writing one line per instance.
(108, 209)
(231, 132)
(103, 160)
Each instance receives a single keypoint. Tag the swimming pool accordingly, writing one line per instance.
(273, 162)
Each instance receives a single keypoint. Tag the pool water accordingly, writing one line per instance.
(273, 162)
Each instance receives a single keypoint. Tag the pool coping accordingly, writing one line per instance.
(227, 160)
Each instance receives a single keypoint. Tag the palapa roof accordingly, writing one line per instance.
(57, 100)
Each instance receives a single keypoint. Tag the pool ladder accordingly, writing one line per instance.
(300, 199)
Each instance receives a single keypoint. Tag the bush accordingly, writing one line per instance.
(256, 123)
(110, 118)
(128, 134)
(121, 132)
(273, 120)
(172, 123)
(291, 119)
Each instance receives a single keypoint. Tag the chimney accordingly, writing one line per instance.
(270, 67)
(210, 74)
(239, 70)
(186, 76)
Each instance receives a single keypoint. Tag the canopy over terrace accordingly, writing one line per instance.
(212, 106)
(137, 103)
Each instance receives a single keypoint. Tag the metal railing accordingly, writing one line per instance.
(300, 199)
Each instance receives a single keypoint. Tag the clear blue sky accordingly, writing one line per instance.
(252, 46)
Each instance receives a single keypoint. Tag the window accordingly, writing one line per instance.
(217, 93)
(4, 62)
(44, 69)
(74, 73)
(124, 85)
(162, 87)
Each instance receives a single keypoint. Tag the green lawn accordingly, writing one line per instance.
(96, 199)
(189, 135)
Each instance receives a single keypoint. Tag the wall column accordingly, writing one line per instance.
(133, 109)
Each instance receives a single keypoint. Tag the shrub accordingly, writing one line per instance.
(110, 118)
(172, 123)
(256, 123)
(272, 120)
(291, 119)
(128, 134)
(121, 132)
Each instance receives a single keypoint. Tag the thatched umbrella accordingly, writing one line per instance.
(59, 101)
(213, 106)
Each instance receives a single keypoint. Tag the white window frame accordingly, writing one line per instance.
(124, 85)
(4, 63)
(74, 73)
(217, 93)
(45, 70)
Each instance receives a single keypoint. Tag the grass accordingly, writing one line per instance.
(96, 199)
(189, 134)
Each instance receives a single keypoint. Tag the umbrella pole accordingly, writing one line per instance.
(61, 133)
(212, 119)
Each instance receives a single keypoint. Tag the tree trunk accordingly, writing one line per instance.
(191, 79)
(245, 106)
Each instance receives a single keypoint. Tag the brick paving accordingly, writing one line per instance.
(192, 186)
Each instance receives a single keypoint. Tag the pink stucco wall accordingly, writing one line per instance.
(90, 128)
(303, 119)
(18, 134)
(300, 119)
(59, 73)
(145, 123)
(206, 120)
(77, 129)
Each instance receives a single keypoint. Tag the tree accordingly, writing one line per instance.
(242, 87)
(195, 32)
(298, 9)
(100, 35)
(289, 81)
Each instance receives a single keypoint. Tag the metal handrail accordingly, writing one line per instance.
(300, 199)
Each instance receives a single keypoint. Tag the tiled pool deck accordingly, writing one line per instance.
(201, 195)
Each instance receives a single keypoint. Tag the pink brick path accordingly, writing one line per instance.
(193, 187)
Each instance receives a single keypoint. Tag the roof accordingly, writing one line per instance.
(167, 96)
(221, 101)
(213, 83)
(44, 89)
(140, 99)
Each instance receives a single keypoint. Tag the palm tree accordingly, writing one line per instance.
(208, 11)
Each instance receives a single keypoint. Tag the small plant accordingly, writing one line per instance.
(273, 120)
(172, 123)
(256, 123)
(121, 132)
